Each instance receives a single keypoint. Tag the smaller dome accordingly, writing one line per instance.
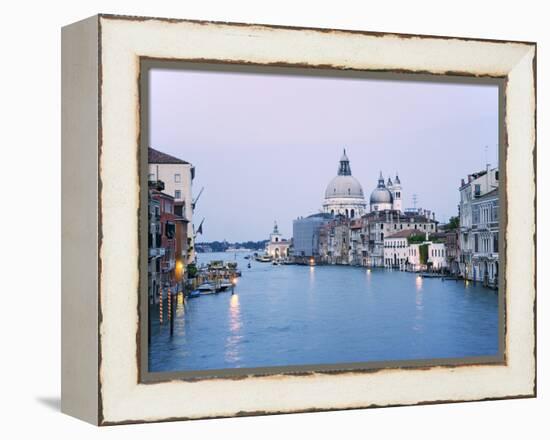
(381, 195)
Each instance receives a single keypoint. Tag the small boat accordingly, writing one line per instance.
(225, 284)
(263, 258)
(249, 265)
(275, 263)
(206, 289)
(194, 294)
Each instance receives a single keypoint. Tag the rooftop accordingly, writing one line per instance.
(159, 157)
(406, 233)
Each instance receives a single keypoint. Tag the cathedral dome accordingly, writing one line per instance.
(344, 187)
(381, 194)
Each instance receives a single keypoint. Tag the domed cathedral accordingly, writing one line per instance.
(344, 194)
(386, 196)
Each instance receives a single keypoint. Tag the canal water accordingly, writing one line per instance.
(297, 315)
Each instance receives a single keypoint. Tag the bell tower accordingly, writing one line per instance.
(397, 193)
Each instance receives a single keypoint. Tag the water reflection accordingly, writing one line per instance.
(419, 305)
(232, 352)
(418, 282)
(296, 315)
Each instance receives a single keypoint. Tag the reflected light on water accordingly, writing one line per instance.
(234, 338)
(418, 283)
(234, 313)
(419, 306)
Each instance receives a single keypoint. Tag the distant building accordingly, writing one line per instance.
(475, 187)
(177, 175)
(277, 247)
(344, 194)
(484, 231)
(380, 224)
(305, 235)
(396, 248)
(437, 256)
(453, 255)
(381, 198)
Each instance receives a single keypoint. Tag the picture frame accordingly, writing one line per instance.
(103, 169)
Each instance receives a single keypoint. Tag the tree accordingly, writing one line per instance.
(454, 223)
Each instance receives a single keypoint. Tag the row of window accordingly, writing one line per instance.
(486, 244)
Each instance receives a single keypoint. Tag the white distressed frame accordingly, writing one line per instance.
(122, 41)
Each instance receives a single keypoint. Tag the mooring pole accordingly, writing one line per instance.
(160, 306)
(172, 314)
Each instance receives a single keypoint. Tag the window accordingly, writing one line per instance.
(177, 178)
(476, 243)
(177, 194)
(170, 230)
(477, 190)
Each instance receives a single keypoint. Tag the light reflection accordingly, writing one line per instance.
(369, 275)
(419, 306)
(233, 340)
(418, 283)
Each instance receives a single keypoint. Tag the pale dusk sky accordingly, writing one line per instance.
(265, 146)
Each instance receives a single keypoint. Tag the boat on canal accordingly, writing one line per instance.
(206, 288)
(263, 258)
(194, 294)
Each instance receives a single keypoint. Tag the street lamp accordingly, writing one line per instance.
(233, 284)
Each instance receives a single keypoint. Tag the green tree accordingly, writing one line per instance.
(454, 222)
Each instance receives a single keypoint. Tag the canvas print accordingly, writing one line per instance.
(310, 220)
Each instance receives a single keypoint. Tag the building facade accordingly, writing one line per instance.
(396, 248)
(306, 236)
(485, 236)
(473, 188)
(277, 247)
(177, 176)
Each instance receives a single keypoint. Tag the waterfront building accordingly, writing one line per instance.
(344, 194)
(437, 256)
(277, 247)
(396, 248)
(484, 231)
(177, 175)
(451, 245)
(168, 243)
(380, 224)
(155, 249)
(427, 255)
(335, 242)
(306, 236)
(476, 186)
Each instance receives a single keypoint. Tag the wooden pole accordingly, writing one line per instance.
(160, 305)
(169, 298)
(172, 313)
